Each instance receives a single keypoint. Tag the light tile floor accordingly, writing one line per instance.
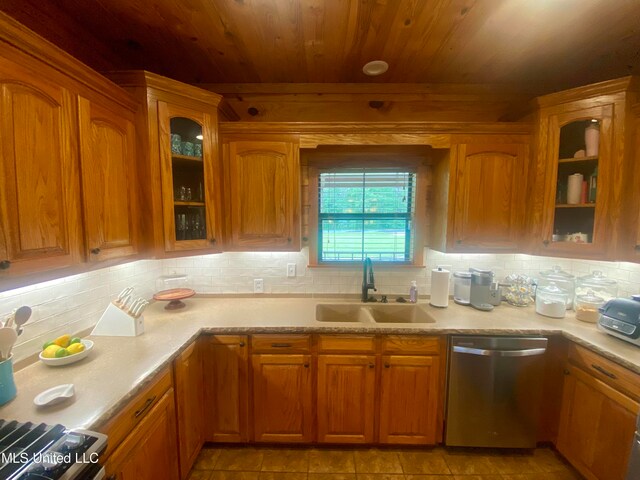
(271, 463)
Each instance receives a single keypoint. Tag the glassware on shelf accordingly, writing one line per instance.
(181, 226)
(197, 150)
(176, 143)
(187, 149)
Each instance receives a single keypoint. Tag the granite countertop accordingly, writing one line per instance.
(119, 367)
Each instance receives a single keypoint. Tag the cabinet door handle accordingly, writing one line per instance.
(545, 242)
(4, 264)
(95, 251)
(289, 240)
(281, 345)
(603, 371)
(241, 344)
(144, 408)
(371, 365)
(306, 365)
(386, 365)
(458, 242)
(213, 240)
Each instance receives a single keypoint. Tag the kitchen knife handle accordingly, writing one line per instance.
(603, 371)
(144, 408)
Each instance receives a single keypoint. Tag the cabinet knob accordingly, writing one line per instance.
(565, 371)
(95, 251)
(112, 477)
(545, 242)
(371, 365)
(458, 242)
(4, 264)
(289, 239)
(241, 344)
(637, 248)
(213, 240)
(306, 365)
(386, 365)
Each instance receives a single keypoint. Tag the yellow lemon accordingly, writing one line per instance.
(50, 351)
(75, 348)
(62, 352)
(62, 341)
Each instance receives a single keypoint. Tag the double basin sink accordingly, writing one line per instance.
(372, 313)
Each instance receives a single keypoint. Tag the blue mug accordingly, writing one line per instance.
(7, 384)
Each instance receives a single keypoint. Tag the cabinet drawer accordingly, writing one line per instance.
(411, 344)
(118, 427)
(281, 343)
(605, 370)
(346, 344)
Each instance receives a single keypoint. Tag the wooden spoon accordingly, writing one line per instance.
(8, 337)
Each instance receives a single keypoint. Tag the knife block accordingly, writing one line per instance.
(117, 323)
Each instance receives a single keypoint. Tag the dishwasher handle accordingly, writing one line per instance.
(499, 353)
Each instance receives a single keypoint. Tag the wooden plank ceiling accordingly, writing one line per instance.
(550, 44)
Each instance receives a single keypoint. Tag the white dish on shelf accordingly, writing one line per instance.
(58, 362)
(55, 395)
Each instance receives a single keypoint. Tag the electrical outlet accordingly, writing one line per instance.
(291, 269)
(258, 285)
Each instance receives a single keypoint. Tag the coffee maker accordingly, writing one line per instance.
(480, 297)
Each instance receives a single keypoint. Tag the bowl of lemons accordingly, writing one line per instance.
(65, 350)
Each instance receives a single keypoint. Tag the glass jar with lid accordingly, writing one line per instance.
(587, 306)
(562, 279)
(599, 284)
(551, 301)
(462, 287)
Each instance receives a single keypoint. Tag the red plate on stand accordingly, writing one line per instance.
(174, 297)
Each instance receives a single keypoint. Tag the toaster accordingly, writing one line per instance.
(620, 317)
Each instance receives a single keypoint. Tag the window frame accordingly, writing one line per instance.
(416, 166)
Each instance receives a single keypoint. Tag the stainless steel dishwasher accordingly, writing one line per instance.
(494, 391)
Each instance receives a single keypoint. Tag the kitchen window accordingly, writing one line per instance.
(360, 212)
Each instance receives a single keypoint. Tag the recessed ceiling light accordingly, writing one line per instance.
(199, 137)
(376, 67)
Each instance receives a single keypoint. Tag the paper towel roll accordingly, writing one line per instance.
(574, 188)
(439, 287)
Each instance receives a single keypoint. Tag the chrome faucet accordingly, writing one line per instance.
(367, 280)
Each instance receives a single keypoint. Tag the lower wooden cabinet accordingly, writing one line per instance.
(189, 406)
(409, 396)
(597, 426)
(346, 398)
(226, 388)
(150, 451)
(282, 398)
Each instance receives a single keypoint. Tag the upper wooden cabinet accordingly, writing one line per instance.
(263, 194)
(39, 195)
(108, 174)
(488, 196)
(581, 202)
(179, 161)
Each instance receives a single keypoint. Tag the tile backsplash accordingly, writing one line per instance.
(75, 303)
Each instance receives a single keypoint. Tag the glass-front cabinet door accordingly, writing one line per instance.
(190, 184)
(580, 157)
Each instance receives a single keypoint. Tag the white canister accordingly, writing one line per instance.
(592, 139)
(439, 287)
(574, 188)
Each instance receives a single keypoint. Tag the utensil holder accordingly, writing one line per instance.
(118, 323)
(8, 389)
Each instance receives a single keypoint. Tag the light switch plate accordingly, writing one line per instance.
(258, 285)
(291, 269)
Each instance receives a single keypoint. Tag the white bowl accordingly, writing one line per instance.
(58, 362)
(55, 395)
